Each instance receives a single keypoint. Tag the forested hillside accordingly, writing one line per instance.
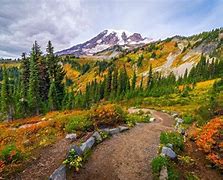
(77, 82)
(53, 95)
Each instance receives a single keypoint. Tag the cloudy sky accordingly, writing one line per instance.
(68, 22)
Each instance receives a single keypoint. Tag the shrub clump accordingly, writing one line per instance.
(157, 164)
(73, 160)
(78, 123)
(174, 138)
(107, 115)
(10, 154)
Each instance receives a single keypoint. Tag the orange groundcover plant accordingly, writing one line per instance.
(210, 141)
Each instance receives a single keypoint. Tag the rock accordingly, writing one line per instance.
(123, 128)
(97, 136)
(77, 149)
(59, 173)
(179, 120)
(152, 119)
(177, 125)
(106, 130)
(87, 144)
(114, 131)
(163, 173)
(175, 115)
(71, 137)
(170, 145)
(166, 151)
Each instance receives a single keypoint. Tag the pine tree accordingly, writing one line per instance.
(150, 79)
(134, 78)
(141, 84)
(55, 71)
(33, 92)
(6, 96)
(52, 97)
(108, 83)
(25, 72)
(115, 82)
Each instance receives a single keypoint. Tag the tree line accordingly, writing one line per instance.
(36, 87)
(39, 85)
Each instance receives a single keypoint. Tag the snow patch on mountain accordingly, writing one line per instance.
(106, 39)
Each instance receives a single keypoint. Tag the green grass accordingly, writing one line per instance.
(174, 138)
(157, 164)
(77, 123)
(132, 119)
(10, 154)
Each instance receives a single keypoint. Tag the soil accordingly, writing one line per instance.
(45, 160)
(124, 156)
(127, 155)
(202, 166)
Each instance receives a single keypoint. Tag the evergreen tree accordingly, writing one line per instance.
(33, 92)
(6, 96)
(56, 71)
(134, 78)
(150, 78)
(141, 84)
(24, 76)
(52, 97)
(108, 83)
(115, 82)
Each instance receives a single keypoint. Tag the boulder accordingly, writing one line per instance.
(114, 131)
(106, 130)
(71, 137)
(179, 120)
(152, 119)
(77, 149)
(166, 151)
(59, 173)
(123, 128)
(175, 115)
(163, 173)
(87, 144)
(97, 136)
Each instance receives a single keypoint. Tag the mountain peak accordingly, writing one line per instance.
(106, 39)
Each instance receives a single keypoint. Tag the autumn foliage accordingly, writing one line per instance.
(209, 139)
(107, 115)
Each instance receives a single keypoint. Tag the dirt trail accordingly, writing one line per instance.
(127, 155)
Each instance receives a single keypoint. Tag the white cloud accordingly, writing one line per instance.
(23, 22)
(68, 22)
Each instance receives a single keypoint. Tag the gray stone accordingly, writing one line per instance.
(177, 125)
(166, 151)
(106, 130)
(97, 136)
(163, 173)
(152, 119)
(114, 131)
(87, 144)
(59, 173)
(71, 137)
(179, 120)
(175, 115)
(123, 128)
(77, 149)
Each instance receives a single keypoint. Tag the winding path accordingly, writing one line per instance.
(127, 155)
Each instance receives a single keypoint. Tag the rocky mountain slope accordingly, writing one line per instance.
(106, 39)
(176, 54)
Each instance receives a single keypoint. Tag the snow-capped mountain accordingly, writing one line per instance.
(106, 39)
